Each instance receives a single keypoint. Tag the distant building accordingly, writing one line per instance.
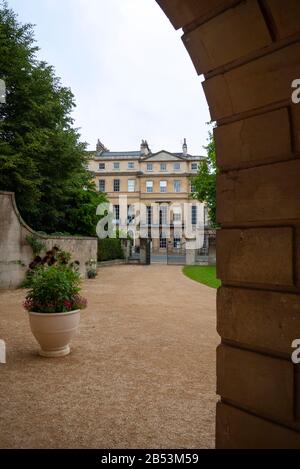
(160, 181)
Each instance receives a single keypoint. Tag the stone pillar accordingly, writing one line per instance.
(155, 230)
(126, 245)
(190, 252)
(212, 251)
(144, 251)
(249, 54)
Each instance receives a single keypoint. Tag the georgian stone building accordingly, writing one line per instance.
(160, 183)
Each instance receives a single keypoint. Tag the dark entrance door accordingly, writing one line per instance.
(148, 251)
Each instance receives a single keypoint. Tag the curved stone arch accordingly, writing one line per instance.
(249, 53)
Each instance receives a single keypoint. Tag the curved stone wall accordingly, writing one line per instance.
(16, 254)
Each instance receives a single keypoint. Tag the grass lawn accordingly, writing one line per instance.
(202, 274)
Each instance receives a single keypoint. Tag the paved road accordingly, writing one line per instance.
(141, 372)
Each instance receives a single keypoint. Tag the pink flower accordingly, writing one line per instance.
(28, 304)
(68, 305)
(79, 302)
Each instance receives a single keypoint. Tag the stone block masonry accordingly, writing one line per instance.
(249, 53)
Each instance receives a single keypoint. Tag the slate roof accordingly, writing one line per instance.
(122, 155)
(136, 155)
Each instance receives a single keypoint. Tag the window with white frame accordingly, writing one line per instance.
(177, 242)
(207, 220)
(130, 213)
(101, 166)
(177, 215)
(149, 215)
(163, 166)
(116, 165)
(149, 186)
(163, 214)
(163, 186)
(194, 166)
(130, 165)
(162, 241)
(101, 185)
(176, 166)
(177, 186)
(116, 213)
(131, 185)
(149, 167)
(192, 188)
(116, 185)
(194, 214)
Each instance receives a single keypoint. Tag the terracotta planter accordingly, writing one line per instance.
(54, 331)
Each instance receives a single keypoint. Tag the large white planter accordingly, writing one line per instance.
(54, 331)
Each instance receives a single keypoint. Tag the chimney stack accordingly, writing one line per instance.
(100, 148)
(145, 150)
(184, 148)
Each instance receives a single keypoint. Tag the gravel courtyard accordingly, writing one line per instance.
(141, 372)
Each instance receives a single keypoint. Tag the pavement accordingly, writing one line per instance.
(141, 373)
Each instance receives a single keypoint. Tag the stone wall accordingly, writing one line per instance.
(249, 53)
(15, 252)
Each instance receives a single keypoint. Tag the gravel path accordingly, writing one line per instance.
(141, 372)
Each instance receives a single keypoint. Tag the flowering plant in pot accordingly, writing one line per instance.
(54, 304)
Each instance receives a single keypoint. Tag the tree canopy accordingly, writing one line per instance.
(42, 158)
(205, 182)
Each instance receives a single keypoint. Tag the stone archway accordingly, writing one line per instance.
(249, 53)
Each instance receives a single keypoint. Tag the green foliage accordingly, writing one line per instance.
(91, 267)
(41, 157)
(54, 289)
(53, 257)
(110, 249)
(203, 274)
(92, 273)
(205, 181)
(60, 234)
(36, 244)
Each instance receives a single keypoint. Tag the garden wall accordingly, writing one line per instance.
(15, 252)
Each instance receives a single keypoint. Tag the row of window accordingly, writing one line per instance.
(163, 186)
(163, 241)
(117, 185)
(163, 166)
(116, 165)
(163, 214)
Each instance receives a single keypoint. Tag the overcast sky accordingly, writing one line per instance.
(128, 69)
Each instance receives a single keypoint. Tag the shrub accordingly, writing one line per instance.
(53, 257)
(92, 273)
(61, 234)
(36, 245)
(54, 289)
(110, 249)
(91, 268)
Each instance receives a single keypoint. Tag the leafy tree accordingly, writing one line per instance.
(41, 157)
(205, 182)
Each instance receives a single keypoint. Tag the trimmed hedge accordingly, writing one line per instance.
(110, 249)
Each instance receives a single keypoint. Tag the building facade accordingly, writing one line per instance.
(156, 191)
